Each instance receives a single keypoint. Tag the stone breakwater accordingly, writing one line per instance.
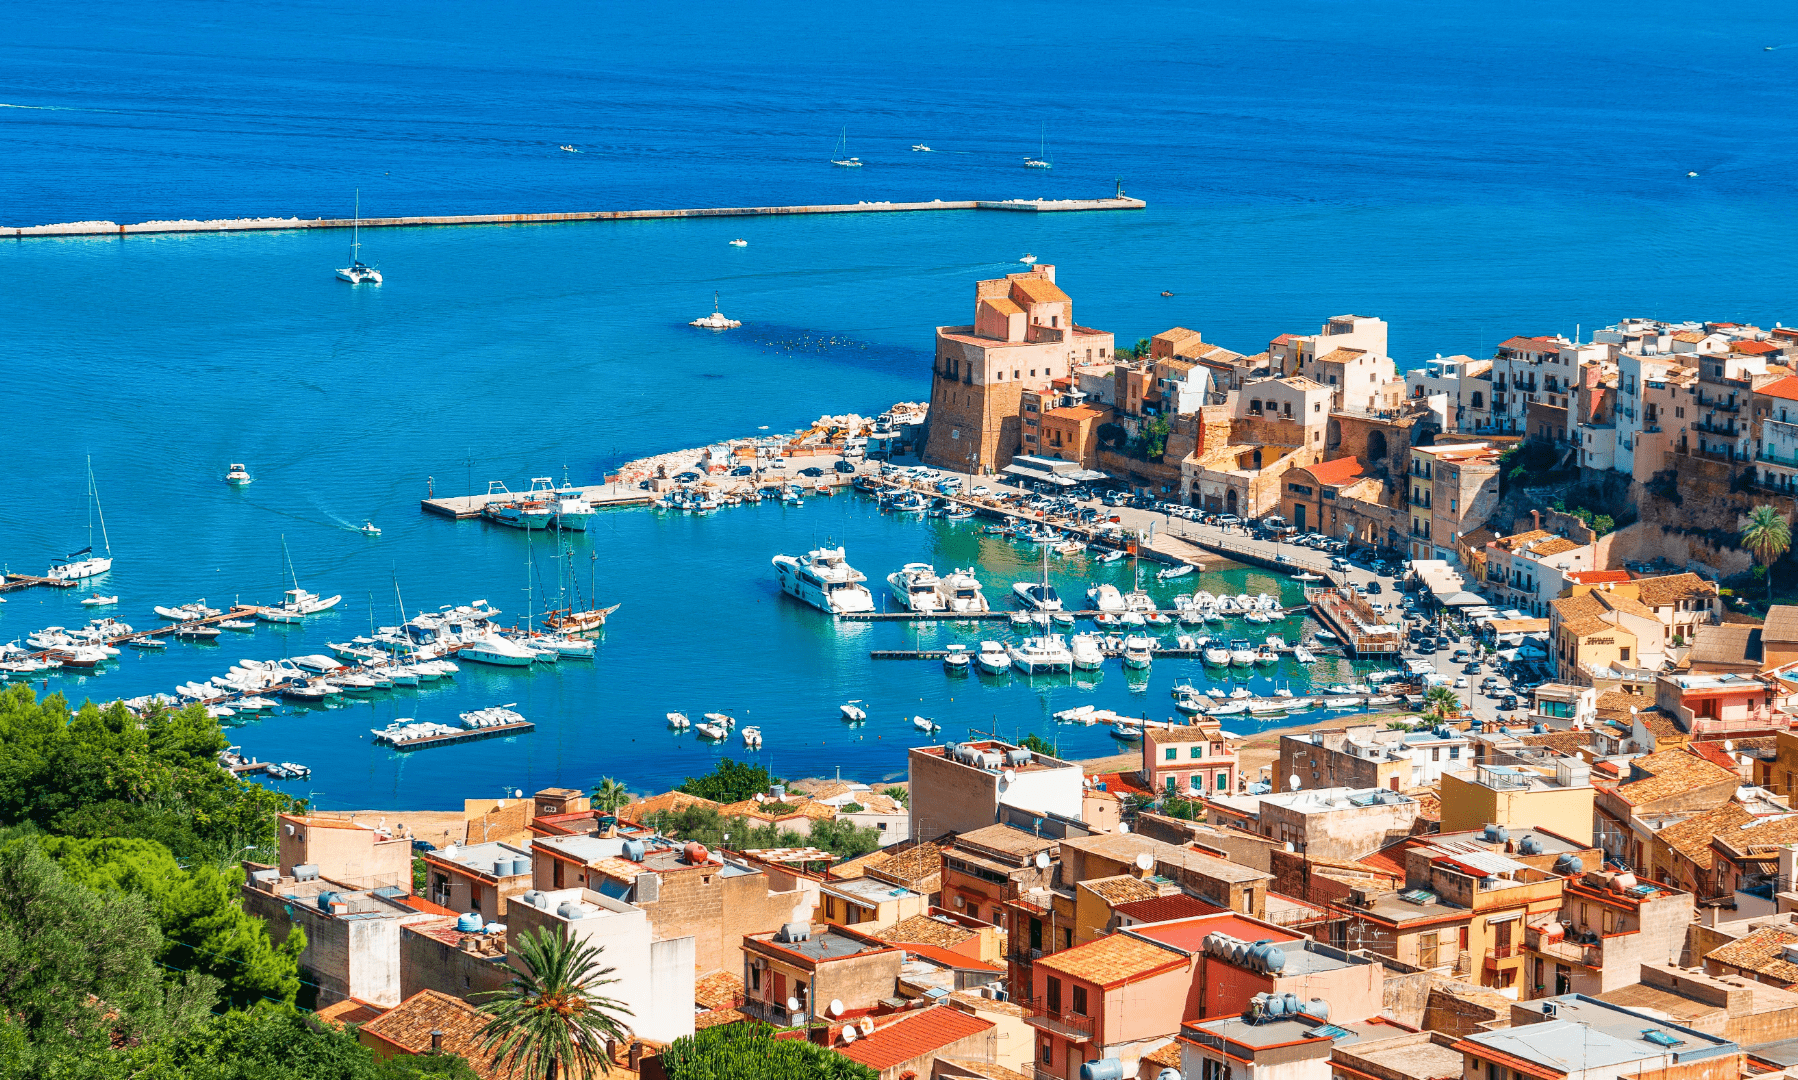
(112, 228)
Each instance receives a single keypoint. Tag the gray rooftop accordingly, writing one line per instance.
(1590, 1034)
(867, 890)
(825, 944)
(1308, 957)
(481, 857)
(585, 848)
(1124, 847)
(1260, 1036)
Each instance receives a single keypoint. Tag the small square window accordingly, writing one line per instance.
(1170, 753)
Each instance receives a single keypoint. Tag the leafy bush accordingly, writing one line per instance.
(730, 782)
(751, 1052)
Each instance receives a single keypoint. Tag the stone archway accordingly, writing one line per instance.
(1376, 446)
(1230, 501)
(1333, 434)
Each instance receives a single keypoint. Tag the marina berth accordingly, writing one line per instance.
(915, 587)
(497, 650)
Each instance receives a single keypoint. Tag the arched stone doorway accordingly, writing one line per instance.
(1376, 446)
(1230, 501)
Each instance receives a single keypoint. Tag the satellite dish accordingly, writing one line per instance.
(849, 1033)
(792, 1004)
(1145, 861)
(518, 793)
(1292, 782)
(836, 1007)
(1042, 860)
(1123, 828)
(1729, 746)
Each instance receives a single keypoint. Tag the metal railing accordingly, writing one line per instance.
(1062, 1022)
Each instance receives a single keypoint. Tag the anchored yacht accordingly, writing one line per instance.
(916, 587)
(1035, 655)
(959, 591)
(824, 579)
(1085, 652)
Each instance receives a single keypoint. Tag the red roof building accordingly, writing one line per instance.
(912, 1043)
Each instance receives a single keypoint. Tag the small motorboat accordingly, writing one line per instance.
(679, 721)
(1190, 705)
(369, 528)
(925, 724)
(956, 658)
(1326, 637)
(1173, 572)
(1303, 655)
(1157, 618)
(752, 738)
(1165, 292)
(993, 658)
(739, 243)
(236, 624)
(1027, 259)
(920, 148)
(238, 476)
(97, 600)
(197, 633)
(1307, 576)
(1063, 618)
(853, 712)
(1240, 692)
(1020, 620)
(568, 148)
(1109, 557)
(716, 732)
(147, 643)
(1126, 734)
(721, 720)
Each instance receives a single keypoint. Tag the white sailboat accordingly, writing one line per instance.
(1041, 160)
(77, 567)
(358, 272)
(843, 159)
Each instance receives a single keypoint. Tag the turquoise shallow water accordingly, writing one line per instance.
(1465, 175)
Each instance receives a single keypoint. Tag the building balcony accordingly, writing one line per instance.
(1773, 459)
(1557, 947)
(1718, 429)
(1069, 1025)
(1720, 405)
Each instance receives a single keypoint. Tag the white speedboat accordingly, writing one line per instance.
(1217, 655)
(97, 600)
(739, 242)
(1266, 655)
(1085, 653)
(1138, 651)
(358, 272)
(1109, 557)
(238, 476)
(1227, 605)
(1307, 576)
(752, 738)
(1242, 654)
(298, 601)
(1126, 733)
(916, 587)
(1036, 596)
(825, 580)
(1041, 653)
(957, 658)
(1303, 655)
(716, 732)
(237, 624)
(725, 720)
(920, 148)
(1326, 637)
(925, 724)
(1157, 618)
(853, 712)
(1105, 598)
(1191, 705)
(369, 528)
(1173, 572)
(993, 658)
(497, 650)
(959, 591)
(679, 721)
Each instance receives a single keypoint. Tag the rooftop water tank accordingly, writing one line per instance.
(1569, 864)
(633, 850)
(520, 865)
(533, 898)
(1539, 729)
(607, 821)
(502, 868)
(1017, 757)
(1624, 882)
(1497, 834)
(1293, 1004)
(1273, 959)
(1103, 1069)
(570, 910)
(324, 900)
(1529, 845)
(794, 931)
(1274, 1006)
(696, 853)
(469, 923)
(1317, 1007)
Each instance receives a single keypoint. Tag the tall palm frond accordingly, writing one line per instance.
(548, 1021)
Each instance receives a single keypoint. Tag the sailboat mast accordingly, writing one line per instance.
(94, 489)
(356, 231)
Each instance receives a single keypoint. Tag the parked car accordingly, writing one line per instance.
(742, 470)
(686, 477)
(1462, 654)
(1373, 588)
(845, 467)
(1474, 668)
(811, 470)
(981, 490)
(1460, 682)
(1510, 702)
(778, 463)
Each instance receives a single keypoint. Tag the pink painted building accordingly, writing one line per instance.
(1192, 760)
(1118, 997)
(1714, 705)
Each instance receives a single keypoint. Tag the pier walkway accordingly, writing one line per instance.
(26, 581)
(112, 228)
(602, 496)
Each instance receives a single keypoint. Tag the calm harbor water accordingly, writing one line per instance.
(1465, 176)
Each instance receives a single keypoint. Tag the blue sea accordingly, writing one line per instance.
(1465, 174)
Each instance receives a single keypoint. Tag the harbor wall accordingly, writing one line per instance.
(269, 224)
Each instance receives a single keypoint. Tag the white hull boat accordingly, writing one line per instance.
(498, 651)
(1042, 654)
(853, 712)
(679, 721)
(915, 587)
(1084, 650)
(993, 658)
(824, 579)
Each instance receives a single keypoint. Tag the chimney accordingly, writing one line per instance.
(635, 1060)
(1535, 520)
(436, 1042)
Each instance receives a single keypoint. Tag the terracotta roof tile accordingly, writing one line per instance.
(1121, 889)
(1781, 624)
(948, 958)
(925, 930)
(1598, 577)
(1038, 289)
(1784, 388)
(1762, 952)
(1752, 348)
(1530, 344)
(1164, 908)
(1342, 356)
(1662, 591)
(1692, 837)
(1673, 772)
(715, 1017)
(1728, 643)
(913, 1036)
(718, 990)
(1618, 703)
(348, 1011)
(409, 1024)
(1762, 832)
(917, 864)
(671, 801)
(1110, 960)
(1339, 471)
(1167, 1057)
(1571, 608)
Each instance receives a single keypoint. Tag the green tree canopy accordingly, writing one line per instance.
(751, 1052)
(730, 782)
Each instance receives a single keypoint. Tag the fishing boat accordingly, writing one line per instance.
(679, 721)
(97, 600)
(238, 476)
(843, 160)
(369, 528)
(716, 320)
(956, 658)
(852, 711)
(358, 272)
(84, 564)
(752, 738)
(1173, 572)
(517, 511)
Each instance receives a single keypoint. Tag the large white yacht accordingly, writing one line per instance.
(916, 587)
(959, 591)
(497, 650)
(1105, 598)
(1035, 655)
(823, 579)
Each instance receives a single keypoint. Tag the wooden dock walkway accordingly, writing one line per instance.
(451, 738)
(111, 228)
(26, 581)
(602, 496)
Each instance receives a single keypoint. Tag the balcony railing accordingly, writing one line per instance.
(1720, 405)
(1069, 1025)
(1718, 429)
(1559, 948)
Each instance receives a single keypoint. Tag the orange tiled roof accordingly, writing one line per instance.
(718, 990)
(419, 903)
(1120, 889)
(1340, 471)
(1662, 591)
(408, 1026)
(925, 930)
(1673, 772)
(1752, 348)
(914, 1036)
(1762, 952)
(348, 1011)
(1163, 908)
(1110, 961)
(1692, 837)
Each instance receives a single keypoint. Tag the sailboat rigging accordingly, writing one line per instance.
(1041, 160)
(843, 157)
(76, 567)
(358, 271)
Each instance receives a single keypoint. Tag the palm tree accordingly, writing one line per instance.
(1440, 701)
(1767, 537)
(548, 1021)
(610, 795)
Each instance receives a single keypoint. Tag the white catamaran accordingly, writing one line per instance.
(84, 564)
(358, 272)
